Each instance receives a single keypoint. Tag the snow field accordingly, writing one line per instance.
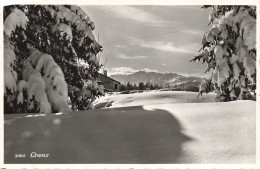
(166, 132)
(153, 97)
(220, 132)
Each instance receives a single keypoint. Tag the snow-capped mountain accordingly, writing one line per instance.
(161, 79)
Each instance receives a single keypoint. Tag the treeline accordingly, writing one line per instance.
(139, 86)
(193, 87)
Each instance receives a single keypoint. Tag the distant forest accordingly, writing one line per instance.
(149, 86)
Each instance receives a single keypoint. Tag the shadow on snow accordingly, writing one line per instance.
(119, 135)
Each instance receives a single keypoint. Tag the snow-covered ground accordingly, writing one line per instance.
(157, 129)
(153, 97)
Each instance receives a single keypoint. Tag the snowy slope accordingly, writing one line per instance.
(152, 133)
(220, 132)
(154, 97)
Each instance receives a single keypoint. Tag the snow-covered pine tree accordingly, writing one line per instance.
(44, 48)
(229, 49)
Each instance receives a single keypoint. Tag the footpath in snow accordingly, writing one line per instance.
(165, 132)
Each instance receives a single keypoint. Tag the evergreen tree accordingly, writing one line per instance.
(229, 49)
(148, 85)
(50, 59)
(135, 87)
(151, 87)
(141, 86)
(123, 87)
(129, 86)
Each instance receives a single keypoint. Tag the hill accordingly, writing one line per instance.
(172, 80)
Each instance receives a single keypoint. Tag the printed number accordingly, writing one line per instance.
(19, 155)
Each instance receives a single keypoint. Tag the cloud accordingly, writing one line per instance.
(127, 71)
(120, 46)
(123, 56)
(142, 16)
(121, 71)
(163, 24)
(130, 12)
(164, 46)
(202, 74)
(149, 70)
(170, 44)
(163, 64)
(194, 32)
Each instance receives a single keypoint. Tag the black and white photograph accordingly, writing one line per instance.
(130, 84)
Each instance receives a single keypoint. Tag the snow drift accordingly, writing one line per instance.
(151, 133)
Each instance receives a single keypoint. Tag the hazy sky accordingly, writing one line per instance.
(158, 38)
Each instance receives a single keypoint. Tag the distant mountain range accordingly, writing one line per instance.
(161, 79)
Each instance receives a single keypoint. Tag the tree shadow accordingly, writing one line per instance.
(130, 135)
